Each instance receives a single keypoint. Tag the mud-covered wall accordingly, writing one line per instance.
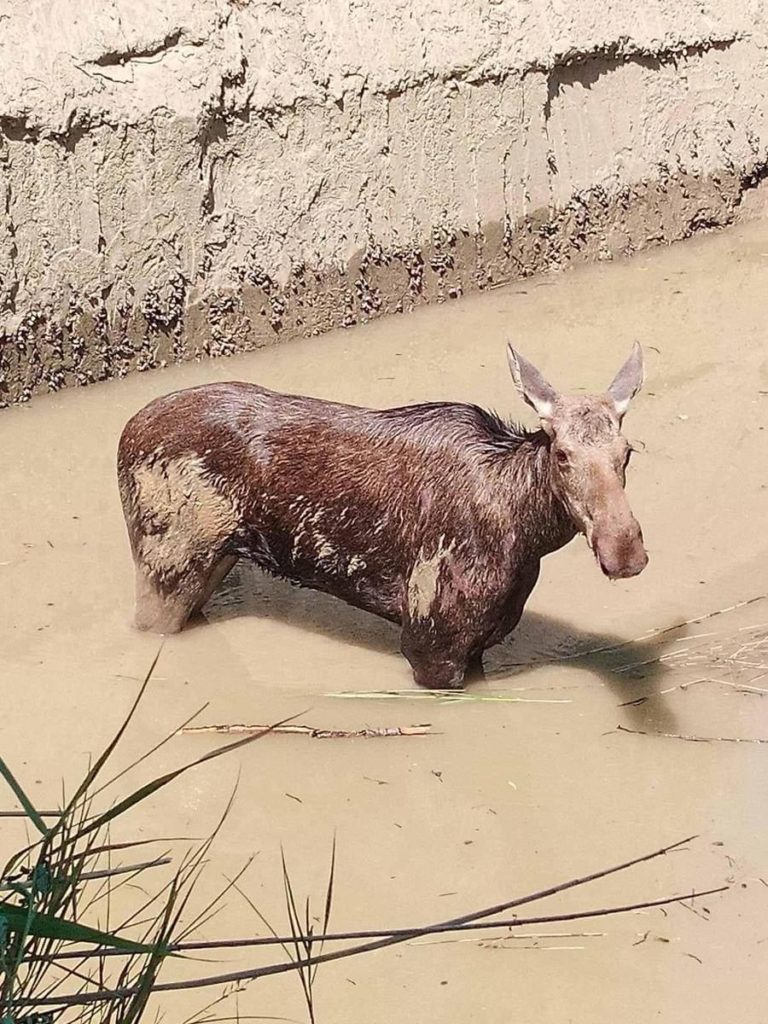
(205, 176)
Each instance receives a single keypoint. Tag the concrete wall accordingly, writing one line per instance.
(203, 176)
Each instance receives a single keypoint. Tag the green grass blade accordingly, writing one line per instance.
(23, 799)
(45, 926)
(329, 889)
(328, 900)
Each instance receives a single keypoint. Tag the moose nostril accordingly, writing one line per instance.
(622, 560)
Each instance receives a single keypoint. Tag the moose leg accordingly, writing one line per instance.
(445, 657)
(436, 665)
(163, 610)
(179, 523)
(157, 611)
(437, 674)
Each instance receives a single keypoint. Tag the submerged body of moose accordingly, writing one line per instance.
(433, 516)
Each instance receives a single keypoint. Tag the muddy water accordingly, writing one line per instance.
(528, 783)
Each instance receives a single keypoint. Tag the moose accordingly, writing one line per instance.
(434, 516)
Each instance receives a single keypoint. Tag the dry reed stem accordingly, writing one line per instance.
(446, 696)
(694, 739)
(314, 733)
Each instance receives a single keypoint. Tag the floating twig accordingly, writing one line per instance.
(311, 731)
(741, 687)
(447, 696)
(694, 739)
(637, 701)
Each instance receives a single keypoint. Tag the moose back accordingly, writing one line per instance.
(434, 516)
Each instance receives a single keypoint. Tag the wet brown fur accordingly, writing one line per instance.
(433, 516)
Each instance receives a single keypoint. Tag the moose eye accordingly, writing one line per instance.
(562, 458)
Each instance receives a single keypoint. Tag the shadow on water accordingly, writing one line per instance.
(632, 671)
(249, 592)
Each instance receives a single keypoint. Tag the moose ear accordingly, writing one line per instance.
(627, 381)
(532, 387)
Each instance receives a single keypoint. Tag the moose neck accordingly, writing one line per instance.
(540, 518)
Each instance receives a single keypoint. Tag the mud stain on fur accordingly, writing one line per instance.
(186, 516)
(424, 579)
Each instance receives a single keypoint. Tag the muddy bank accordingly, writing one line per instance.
(526, 783)
(213, 177)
